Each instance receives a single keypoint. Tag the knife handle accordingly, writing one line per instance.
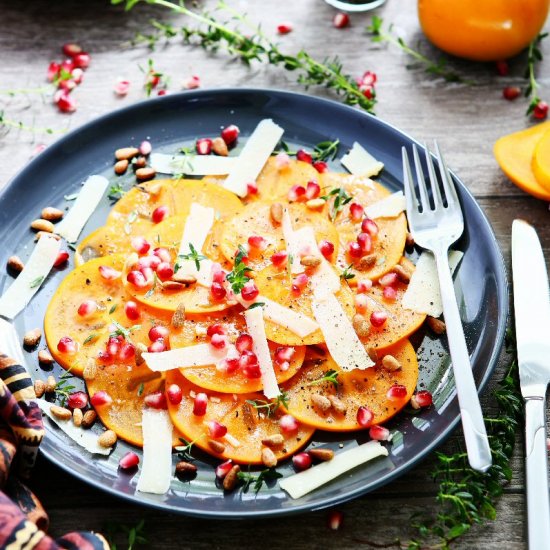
(538, 501)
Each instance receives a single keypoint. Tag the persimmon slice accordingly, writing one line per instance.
(357, 388)
(105, 241)
(246, 425)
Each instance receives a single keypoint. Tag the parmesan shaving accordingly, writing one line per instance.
(192, 165)
(296, 322)
(301, 484)
(39, 264)
(91, 193)
(199, 355)
(390, 207)
(340, 337)
(256, 328)
(253, 157)
(84, 438)
(156, 470)
(291, 245)
(423, 294)
(360, 162)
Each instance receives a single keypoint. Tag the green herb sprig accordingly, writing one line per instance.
(269, 408)
(264, 476)
(184, 451)
(238, 276)
(534, 55)
(135, 536)
(123, 331)
(63, 388)
(193, 255)
(329, 376)
(339, 197)
(347, 274)
(116, 191)
(323, 151)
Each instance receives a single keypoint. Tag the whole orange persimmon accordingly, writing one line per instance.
(482, 30)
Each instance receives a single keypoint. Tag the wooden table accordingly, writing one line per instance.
(465, 119)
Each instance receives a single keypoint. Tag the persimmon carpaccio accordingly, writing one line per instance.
(482, 30)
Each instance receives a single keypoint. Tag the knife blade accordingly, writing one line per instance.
(532, 319)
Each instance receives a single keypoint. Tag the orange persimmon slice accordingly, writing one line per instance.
(105, 241)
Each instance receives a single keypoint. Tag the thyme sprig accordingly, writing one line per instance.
(340, 197)
(269, 474)
(323, 151)
(134, 535)
(269, 407)
(123, 331)
(184, 451)
(329, 376)
(116, 191)
(238, 276)
(63, 388)
(534, 55)
(347, 274)
(193, 255)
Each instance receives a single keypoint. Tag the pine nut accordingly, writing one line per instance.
(61, 412)
(107, 439)
(320, 401)
(144, 174)
(219, 147)
(39, 388)
(323, 455)
(51, 214)
(361, 325)
(42, 225)
(268, 458)
(15, 265)
(390, 363)
(436, 325)
(276, 212)
(126, 153)
(32, 337)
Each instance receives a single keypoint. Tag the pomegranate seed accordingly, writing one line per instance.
(364, 417)
(158, 346)
(53, 71)
(140, 245)
(365, 242)
(128, 461)
(252, 371)
(299, 283)
(174, 394)
(397, 392)
(191, 83)
(131, 310)
(540, 111)
(326, 248)
(148, 274)
(67, 345)
(301, 461)
(356, 211)
(390, 293)
(364, 285)
(511, 92)
(361, 303)
(113, 346)
(82, 60)
(284, 28)
(244, 342)
(335, 519)
(77, 400)
(218, 291)
(100, 398)
(341, 20)
(257, 242)
(379, 433)
(355, 250)
(137, 279)
(223, 469)
(279, 259)
(64, 101)
(122, 87)
(321, 166)
(149, 261)
(145, 148)
(369, 226)
(216, 328)
(159, 213)
(251, 188)
(304, 156)
(288, 424)
(368, 91)
(165, 271)
(67, 66)
(127, 352)
(297, 193)
(105, 357)
(378, 318)
(67, 85)
(156, 400)
(87, 308)
(62, 257)
(423, 398)
(502, 67)
(282, 161)
(163, 255)
(108, 273)
(229, 365)
(218, 274)
(284, 354)
(218, 341)
(157, 332)
(313, 190)
(250, 291)
(162, 92)
(368, 79)
(203, 146)
(78, 75)
(388, 279)
(230, 134)
(199, 404)
(215, 429)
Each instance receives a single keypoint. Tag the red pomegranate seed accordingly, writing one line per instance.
(140, 245)
(67, 66)
(378, 318)
(361, 303)
(397, 392)
(423, 398)
(87, 308)
(321, 166)
(388, 279)
(279, 259)
(165, 271)
(230, 134)
(215, 429)
(131, 310)
(250, 291)
(502, 67)
(540, 111)
(223, 469)
(299, 283)
(304, 156)
(163, 254)
(364, 285)
(390, 294)
(199, 404)
(326, 248)
(78, 75)
(284, 28)
(100, 398)
(368, 91)
(159, 213)
(356, 211)
(65, 102)
(355, 250)
(282, 161)
(77, 400)
(341, 20)
(297, 193)
(288, 424)
(379, 433)
(335, 519)
(257, 242)
(156, 400)
(204, 146)
(157, 332)
(67, 345)
(127, 352)
(174, 394)
(71, 49)
(364, 417)
(301, 461)
(284, 354)
(191, 83)
(369, 226)
(122, 87)
(511, 92)
(368, 79)
(128, 461)
(137, 279)
(216, 328)
(251, 188)
(365, 242)
(313, 190)
(218, 341)
(113, 346)
(244, 342)
(148, 274)
(108, 273)
(53, 71)
(67, 85)
(158, 346)
(105, 357)
(151, 261)
(229, 365)
(82, 60)
(218, 274)
(218, 291)
(145, 148)
(252, 371)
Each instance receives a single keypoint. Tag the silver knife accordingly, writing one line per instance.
(532, 313)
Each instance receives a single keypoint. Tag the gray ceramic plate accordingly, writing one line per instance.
(172, 121)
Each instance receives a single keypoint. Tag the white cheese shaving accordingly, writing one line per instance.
(360, 162)
(253, 157)
(85, 438)
(91, 193)
(39, 264)
(291, 243)
(156, 469)
(296, 322)
(256, 328)
(390, 207)
(423, 294)
(301, 484)
(192, 165)
(340, 337)
(199, 355)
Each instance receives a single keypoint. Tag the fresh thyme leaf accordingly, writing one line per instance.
(116, 191)
(329, 376)
(36, 282)
(122, 331)
(264, 476)
(534, 55)
(63, 388)
(238, 277)
(326, 150)
(269, 407)
(132, 217)
(71, 197)
(89, 339)
(113, 308)
(193, 255)
(256, 304)
(339, 197)
(347, 274)
(184, 451)
(140, 389)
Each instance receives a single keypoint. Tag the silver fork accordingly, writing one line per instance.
(436, 229)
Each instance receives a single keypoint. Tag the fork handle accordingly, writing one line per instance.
(475, 435)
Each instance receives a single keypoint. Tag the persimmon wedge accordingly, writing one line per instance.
(105, 241)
